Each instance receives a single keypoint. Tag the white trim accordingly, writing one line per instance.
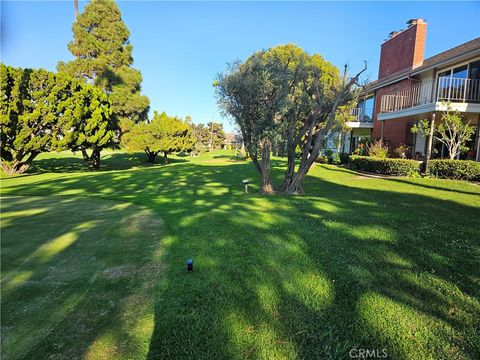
(425, 108)
(457, 106)
(437, 106)
(359, 124)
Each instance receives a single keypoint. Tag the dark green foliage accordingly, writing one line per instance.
(344, 158)
(330, 157)
(322, 159)
(42, 111)
(454, 169)
(103, 56)
(386, 166)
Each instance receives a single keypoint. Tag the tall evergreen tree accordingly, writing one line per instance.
(103, 57)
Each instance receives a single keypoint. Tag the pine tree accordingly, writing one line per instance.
(103, 57)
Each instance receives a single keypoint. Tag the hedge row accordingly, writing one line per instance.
(398, 167)
(454, 169)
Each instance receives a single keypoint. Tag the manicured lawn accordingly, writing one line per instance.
(93, 263)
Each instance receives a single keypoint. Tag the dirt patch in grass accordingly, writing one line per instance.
(118, 272)
(147, 271)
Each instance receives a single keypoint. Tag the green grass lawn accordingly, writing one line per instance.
(93, 263)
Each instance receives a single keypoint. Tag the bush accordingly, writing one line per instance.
(329, 157)
(334, 159)
(361, 149)
(454, 169)
(322, 159)
(401, 151)
(377, 149)
(344, 158)
(398, 167)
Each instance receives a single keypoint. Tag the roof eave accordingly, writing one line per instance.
(421, 69)
(447, 62)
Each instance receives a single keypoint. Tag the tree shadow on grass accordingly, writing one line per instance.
(444, 182)
(109, 162)
(322, 281)
(300, 277)
(441, 184)
(78, 277)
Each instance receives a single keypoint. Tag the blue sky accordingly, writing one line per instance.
(180, 47)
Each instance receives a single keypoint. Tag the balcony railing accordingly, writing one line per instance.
(447, 89)
(360, 115)
(458, 90)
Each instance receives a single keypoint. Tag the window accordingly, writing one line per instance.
(460, 84)
(366, 110)
(474, 82)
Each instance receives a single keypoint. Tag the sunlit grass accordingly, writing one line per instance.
(356, 263)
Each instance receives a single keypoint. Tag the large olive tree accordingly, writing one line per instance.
(288, 96)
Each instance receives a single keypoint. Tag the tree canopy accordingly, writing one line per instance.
(284, 95)
(103, 57)
(42, 111)
(210, 136)
(164, 133)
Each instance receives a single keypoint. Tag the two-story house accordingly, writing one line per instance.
(410, 88)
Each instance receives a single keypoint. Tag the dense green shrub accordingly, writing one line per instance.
(330, 156)
(454, 169)
(334, 159)
(344, 158)
(322, 159)
(398, 167)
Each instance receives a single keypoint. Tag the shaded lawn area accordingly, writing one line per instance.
(356, 263)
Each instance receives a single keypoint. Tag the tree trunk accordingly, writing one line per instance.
(18, 166)
(306, 163)
(15, 168)
(267, 187)
(85, 154)
(95, 158)
(430, 143)
(165, 157)
(151, 155)
(290, 170)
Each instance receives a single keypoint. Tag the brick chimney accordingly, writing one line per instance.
(403, 49)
